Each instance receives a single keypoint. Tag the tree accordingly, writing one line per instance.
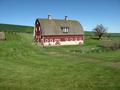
(99, 31)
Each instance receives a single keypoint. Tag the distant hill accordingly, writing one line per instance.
(16, 28)
(89, 33)
(114, 34)
(29, 29)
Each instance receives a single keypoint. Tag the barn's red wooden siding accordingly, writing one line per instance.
(53, 38)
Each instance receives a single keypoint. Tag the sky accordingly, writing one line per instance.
(88, 12)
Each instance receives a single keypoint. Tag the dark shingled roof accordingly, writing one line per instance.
(53, 27)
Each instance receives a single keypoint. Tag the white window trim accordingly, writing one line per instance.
(65, 29)
(46, 40)
(51, 40)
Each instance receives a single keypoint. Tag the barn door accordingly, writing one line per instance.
(57, 41)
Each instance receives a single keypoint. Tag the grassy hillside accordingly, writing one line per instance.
(16, 28)
(29, 29)
(89, 33)
(25, 66)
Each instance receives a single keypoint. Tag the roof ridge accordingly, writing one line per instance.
(56, 19)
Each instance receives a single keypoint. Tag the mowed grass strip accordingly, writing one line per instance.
(25, 66)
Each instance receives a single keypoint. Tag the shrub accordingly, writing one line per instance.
(110, 44)
(2, 36)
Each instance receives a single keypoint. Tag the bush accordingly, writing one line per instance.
(110, 44)
(2, 36)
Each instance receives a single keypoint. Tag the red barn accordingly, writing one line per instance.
(58, 32)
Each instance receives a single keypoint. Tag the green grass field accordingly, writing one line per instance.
(26, 66)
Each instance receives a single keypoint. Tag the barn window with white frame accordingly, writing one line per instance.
(65, 29)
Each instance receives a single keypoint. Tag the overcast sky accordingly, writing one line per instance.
(88, 12)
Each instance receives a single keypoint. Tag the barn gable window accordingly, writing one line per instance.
(65, 29)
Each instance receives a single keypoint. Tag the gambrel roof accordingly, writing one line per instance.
(53, 27)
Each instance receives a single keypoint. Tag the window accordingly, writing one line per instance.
(66, 39)
(75, 39)
(55, 40)
(46, 40)
(37, 23)
(65, 29)
(71, 39)
(51, 40)
(79, 38)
